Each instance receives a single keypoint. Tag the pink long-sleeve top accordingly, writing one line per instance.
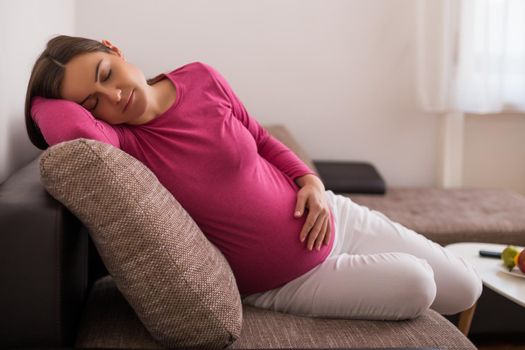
(233, 178)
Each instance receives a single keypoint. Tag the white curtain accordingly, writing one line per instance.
(471, 55)
(436, 44)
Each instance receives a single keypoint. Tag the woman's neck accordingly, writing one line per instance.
(162, 95)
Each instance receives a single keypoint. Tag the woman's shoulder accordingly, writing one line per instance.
(195, 67)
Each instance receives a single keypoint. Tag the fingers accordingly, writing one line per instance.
(320, 237)
(317, 224)
(309, 225)
(313, 232)
(299, 207)
(328, 230)
(318, 232)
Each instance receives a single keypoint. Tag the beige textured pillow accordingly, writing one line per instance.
(179, 284)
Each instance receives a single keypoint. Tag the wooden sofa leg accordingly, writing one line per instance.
(465, 319)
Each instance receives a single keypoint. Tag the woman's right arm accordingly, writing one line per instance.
(63, 120)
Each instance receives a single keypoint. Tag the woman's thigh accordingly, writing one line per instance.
(386, 286)
(362, 231)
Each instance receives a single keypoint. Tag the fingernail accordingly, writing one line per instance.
(297, 213)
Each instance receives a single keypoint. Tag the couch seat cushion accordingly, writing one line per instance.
(454, 215)
(109, 322)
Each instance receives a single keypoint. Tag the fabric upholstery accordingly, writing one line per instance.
(109, 322)
(454, 215)
(268, 329)
(179, 284)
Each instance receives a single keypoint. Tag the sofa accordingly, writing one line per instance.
(58, 293)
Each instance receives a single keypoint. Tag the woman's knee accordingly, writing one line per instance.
(460, 292)
(419, 287)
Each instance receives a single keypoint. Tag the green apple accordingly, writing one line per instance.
(508, 254)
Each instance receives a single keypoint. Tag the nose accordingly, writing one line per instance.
(113, 94)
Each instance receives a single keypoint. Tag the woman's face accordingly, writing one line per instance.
(104, 83)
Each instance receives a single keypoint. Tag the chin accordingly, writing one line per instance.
(138, 111)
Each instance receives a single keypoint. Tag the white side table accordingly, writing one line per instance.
(492, 274)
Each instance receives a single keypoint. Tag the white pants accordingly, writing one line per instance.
(377, 269)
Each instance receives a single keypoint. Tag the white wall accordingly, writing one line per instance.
(340, 74)
(25, 27)
(494, 151)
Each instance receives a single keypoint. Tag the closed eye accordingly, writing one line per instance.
(109, 74)
(105, 79)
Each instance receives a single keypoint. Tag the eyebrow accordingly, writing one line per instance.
(96, 79)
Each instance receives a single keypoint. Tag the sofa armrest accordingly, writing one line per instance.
(43, 264)
(350, 177)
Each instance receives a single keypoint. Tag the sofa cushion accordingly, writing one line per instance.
(454, 215)
(269, 329)
(178, 283)
(350, 177)
(109, 322)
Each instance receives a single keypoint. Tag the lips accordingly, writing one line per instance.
(130, 100)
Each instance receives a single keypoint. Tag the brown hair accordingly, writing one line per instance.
(48, 73)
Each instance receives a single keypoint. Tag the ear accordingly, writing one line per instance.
(113, 48)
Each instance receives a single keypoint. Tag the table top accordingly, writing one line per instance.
(492, 271)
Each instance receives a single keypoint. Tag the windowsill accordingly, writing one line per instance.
(502, 113)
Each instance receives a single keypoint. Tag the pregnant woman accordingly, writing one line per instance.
(292, 245)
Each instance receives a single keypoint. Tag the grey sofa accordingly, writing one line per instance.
(56, 291)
